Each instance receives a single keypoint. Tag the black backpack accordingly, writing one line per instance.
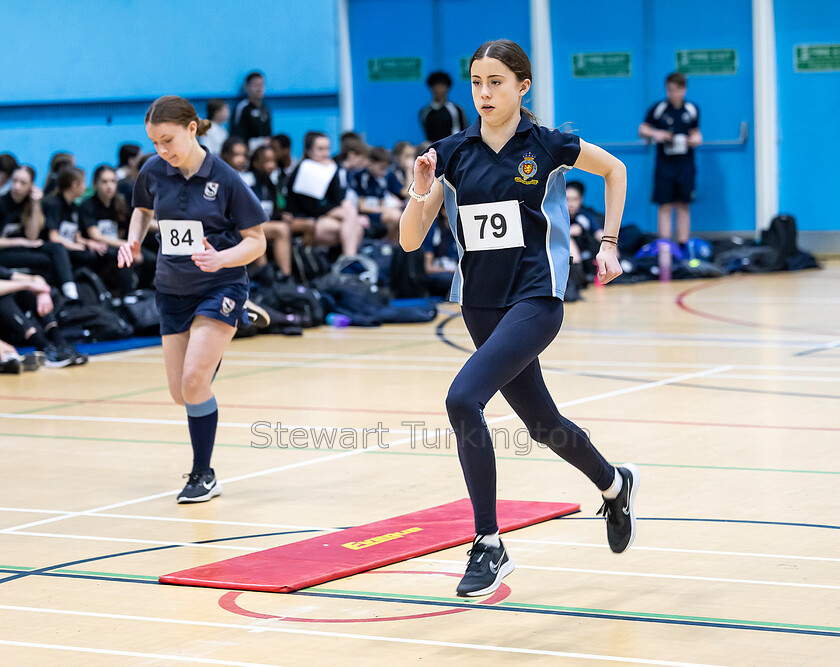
(781, 238)
(140, 310)
(408, 274)
(89, 324)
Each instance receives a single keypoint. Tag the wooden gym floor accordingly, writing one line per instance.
(725, 393)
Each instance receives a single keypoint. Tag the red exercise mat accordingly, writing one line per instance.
(335, 555)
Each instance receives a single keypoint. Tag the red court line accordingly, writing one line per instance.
(746, 323)
(228, 603)
(582, 419)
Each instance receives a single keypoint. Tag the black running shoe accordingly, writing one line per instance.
(486, 568)
(619, 512)
(201, 487)
(79, 359)
(57, 357)
(11, 365)
(33, 361)
(256, 315)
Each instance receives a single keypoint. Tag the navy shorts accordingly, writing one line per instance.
(673, 183)
(226, 304)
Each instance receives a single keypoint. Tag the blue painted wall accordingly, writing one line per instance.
(87, 84)
(809, 106)
(609, 110)
(108, 60)
(440, 32)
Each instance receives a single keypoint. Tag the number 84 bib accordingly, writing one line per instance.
(181, 237)
(492, 226)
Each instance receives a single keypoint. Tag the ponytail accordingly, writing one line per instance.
(203, 126)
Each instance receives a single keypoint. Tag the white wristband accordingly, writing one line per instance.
(414, 195)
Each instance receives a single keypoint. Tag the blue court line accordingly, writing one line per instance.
(439, 331)
(46, 570)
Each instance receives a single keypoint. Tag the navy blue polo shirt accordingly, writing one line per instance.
(525, 176)
(664, 116)
(215, 195)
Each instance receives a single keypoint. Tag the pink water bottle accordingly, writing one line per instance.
(664, 261)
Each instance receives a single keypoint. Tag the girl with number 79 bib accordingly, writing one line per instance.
(502, 183)
(210, 229)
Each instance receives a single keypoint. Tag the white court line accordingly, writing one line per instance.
(679, 551)
(286, 526)
(183, 422)
(135, 654)
(346, 635)
(335, 457)
(647, 575)
(94, 538)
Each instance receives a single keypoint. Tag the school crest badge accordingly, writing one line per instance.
(228, 305)
(211, 190)
(527, 170)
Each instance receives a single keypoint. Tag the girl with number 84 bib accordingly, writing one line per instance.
(210, 229)
(502, 183)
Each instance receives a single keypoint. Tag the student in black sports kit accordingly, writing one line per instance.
(674, 124)
(502, 183)
(210, 228)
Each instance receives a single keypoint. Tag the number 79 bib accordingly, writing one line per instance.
(181, 237)
(492, 226)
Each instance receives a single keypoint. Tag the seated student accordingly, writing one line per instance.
(8, 164)
(62, 225)
(128, 158)
(21, 221)
(218, 113)
(235, 153)
(282, 145)
(104, 217)
(594, 216)
(402, 169)
(585, 231)
(381, 206)
(316, 194)
(278, 228)
(353, 156)
(59, 161)
(27, 319)
(440, 257)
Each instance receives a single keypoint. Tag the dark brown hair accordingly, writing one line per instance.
(176, 110)
(677, 78)
(512, 56)
(67, 177)
(380, 155)
(118, 202)
(27, 207)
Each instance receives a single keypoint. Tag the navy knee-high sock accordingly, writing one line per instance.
(202, 419)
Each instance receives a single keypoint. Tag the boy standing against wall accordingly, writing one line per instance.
(674, 124)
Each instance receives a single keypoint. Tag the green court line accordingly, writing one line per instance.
(260, 371)
(139, 577)
(513, 605)
(153, 442)
(519, 605)
(326, 450)
(648, 465)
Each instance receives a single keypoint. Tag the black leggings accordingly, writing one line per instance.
(508, 341)
(20, 324)
(51, 261)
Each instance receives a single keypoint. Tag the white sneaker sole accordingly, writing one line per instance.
(504, 571)
(635, 472)
(212, 493)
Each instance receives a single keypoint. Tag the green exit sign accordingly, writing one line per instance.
(394, 69)
(707, 61)
(817, 57)
(601, 65)
(464, 68)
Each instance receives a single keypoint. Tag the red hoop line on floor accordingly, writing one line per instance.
(228, 603)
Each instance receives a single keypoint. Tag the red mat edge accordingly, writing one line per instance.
(173, 578)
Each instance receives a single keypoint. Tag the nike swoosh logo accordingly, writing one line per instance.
(208, 486)
(494, 567)
(626, 508)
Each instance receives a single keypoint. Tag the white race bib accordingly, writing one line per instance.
(181, 237)
(679, 146)
(67, 230)
(107, 228)
(492, 226)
